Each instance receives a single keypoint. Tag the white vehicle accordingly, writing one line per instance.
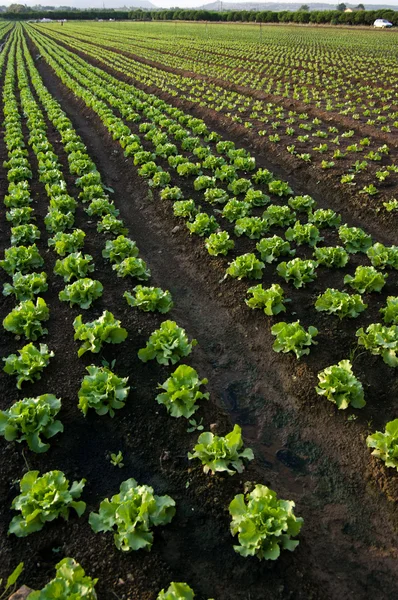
(382, 23)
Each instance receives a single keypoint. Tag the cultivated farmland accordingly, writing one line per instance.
(199, 243)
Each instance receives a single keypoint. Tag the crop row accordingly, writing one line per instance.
(211, 171)
(136, 510)
(363, 164)
(298, 65)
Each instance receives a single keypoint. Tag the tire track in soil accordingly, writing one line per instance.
(333, 529)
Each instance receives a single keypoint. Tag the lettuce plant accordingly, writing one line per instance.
(262, 176)
(245, 265)
(279, 188)
(31, 418)
(203, 224)
(74, 266)
(66, 243)
(82, 292)
(216, 195)
(324, 217)
(168, 344)
(270, 300)
(133, 267)
(265, 525)
(119, 249)
(303, 204)
(204, 182)
(218, 453)
(181, 391)
(56, 220)
(24, 234)
(333, 257)
(44, 499)
(390, 311)
(149, 299)
(20, 216)
(105, 329)
(25, 287)
(102, 390)
(298, 271)
(185, 209)
(383, 256)
(111, 224)
(354, 239)
(366, 279)
(29, 364)
(26, 319)
(292, 337)
(70, 582)
(240, 186)
(281, 216)
(252, 227)
(385, 444)
(219, 243)
(272, 247)
(256, 198)
(171, 193)
(339, 385)
(100, 207)
(236, 209)
(340, 304)
(132, 514)
(176, 591)
(21, 258)
(306, 233)
(380, 340)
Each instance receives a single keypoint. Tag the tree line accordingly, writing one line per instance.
(334, 17)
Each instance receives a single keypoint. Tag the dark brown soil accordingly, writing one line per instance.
(304, 449)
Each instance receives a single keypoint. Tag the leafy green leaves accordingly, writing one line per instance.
(102, 390)
(270, 300)
(386, 444)
(219, 243)
(29, 364)
(246, 265)
(366, 279)
(167, 344)
(176, 591)
(70, 582)
(149, 299)
(222, 453)
(105, 329)
(119, 249)
(339, 385)
(380, 340)
(21, 258)
(292, 337)
(298, 271)
(25, 287)
(31, 418)
(354, 239)
(44, 499)
(182, 390)
(132, 514)
(66, 243)
(340, 304)
(264, 524)
(82, 292)
(74, 266)
(26, 318)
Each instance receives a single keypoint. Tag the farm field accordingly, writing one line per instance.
(252, 174)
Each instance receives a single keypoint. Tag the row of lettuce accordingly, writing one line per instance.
(151, 147)
(132, 513)
(366, 165)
